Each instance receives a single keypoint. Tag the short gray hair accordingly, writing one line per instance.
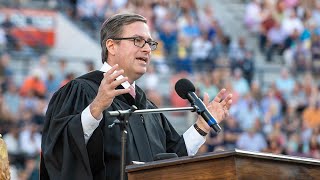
(113, 28)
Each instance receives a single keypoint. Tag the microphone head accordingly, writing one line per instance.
(183, 87)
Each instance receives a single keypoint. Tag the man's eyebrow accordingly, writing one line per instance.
(148, 39)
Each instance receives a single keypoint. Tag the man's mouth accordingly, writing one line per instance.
(142, 59)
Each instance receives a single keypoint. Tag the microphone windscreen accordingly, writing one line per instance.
(183, 86)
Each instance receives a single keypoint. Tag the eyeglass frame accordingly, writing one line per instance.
(140, 38)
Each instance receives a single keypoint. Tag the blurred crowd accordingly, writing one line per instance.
(281, 117)
(289, 28)
(22, 110)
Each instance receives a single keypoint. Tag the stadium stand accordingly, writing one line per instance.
(266, 52)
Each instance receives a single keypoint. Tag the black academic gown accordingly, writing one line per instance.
(64, 152)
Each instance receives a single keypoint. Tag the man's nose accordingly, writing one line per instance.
(146, 48)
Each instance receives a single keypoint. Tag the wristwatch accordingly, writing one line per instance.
(200, 131)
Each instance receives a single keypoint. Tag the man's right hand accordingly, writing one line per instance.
(107, 91)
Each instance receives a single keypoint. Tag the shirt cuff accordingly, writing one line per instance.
(89, 123)
(193, 140)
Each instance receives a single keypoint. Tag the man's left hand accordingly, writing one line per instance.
(218, 107)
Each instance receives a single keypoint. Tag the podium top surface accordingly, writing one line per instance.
(222, 154)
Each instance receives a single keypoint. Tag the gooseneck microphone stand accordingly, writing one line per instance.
(122, 121)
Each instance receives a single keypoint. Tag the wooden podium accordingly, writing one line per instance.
(234, 164)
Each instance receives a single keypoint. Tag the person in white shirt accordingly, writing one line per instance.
(77, 142)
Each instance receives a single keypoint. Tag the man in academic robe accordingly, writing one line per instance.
(77, 142)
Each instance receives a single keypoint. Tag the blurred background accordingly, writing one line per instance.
(265, 52)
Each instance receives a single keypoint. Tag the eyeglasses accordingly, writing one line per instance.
(140, 42)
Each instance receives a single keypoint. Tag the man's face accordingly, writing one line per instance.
(132, 59)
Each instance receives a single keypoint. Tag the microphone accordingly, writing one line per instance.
(186, 90)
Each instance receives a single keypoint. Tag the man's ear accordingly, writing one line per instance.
(110, 45)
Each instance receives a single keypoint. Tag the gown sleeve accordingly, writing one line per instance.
(175, 142)
(64, 154)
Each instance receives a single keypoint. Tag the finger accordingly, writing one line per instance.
(219, 96)
(223, 103)
(229, 100)
(229, 104)
(121, 91)
(117, 83)
(206, 99)
(226, 100)
(112, 70)
(115, 75)
(104, 78)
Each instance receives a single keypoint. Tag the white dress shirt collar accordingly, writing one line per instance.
(106, 67)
